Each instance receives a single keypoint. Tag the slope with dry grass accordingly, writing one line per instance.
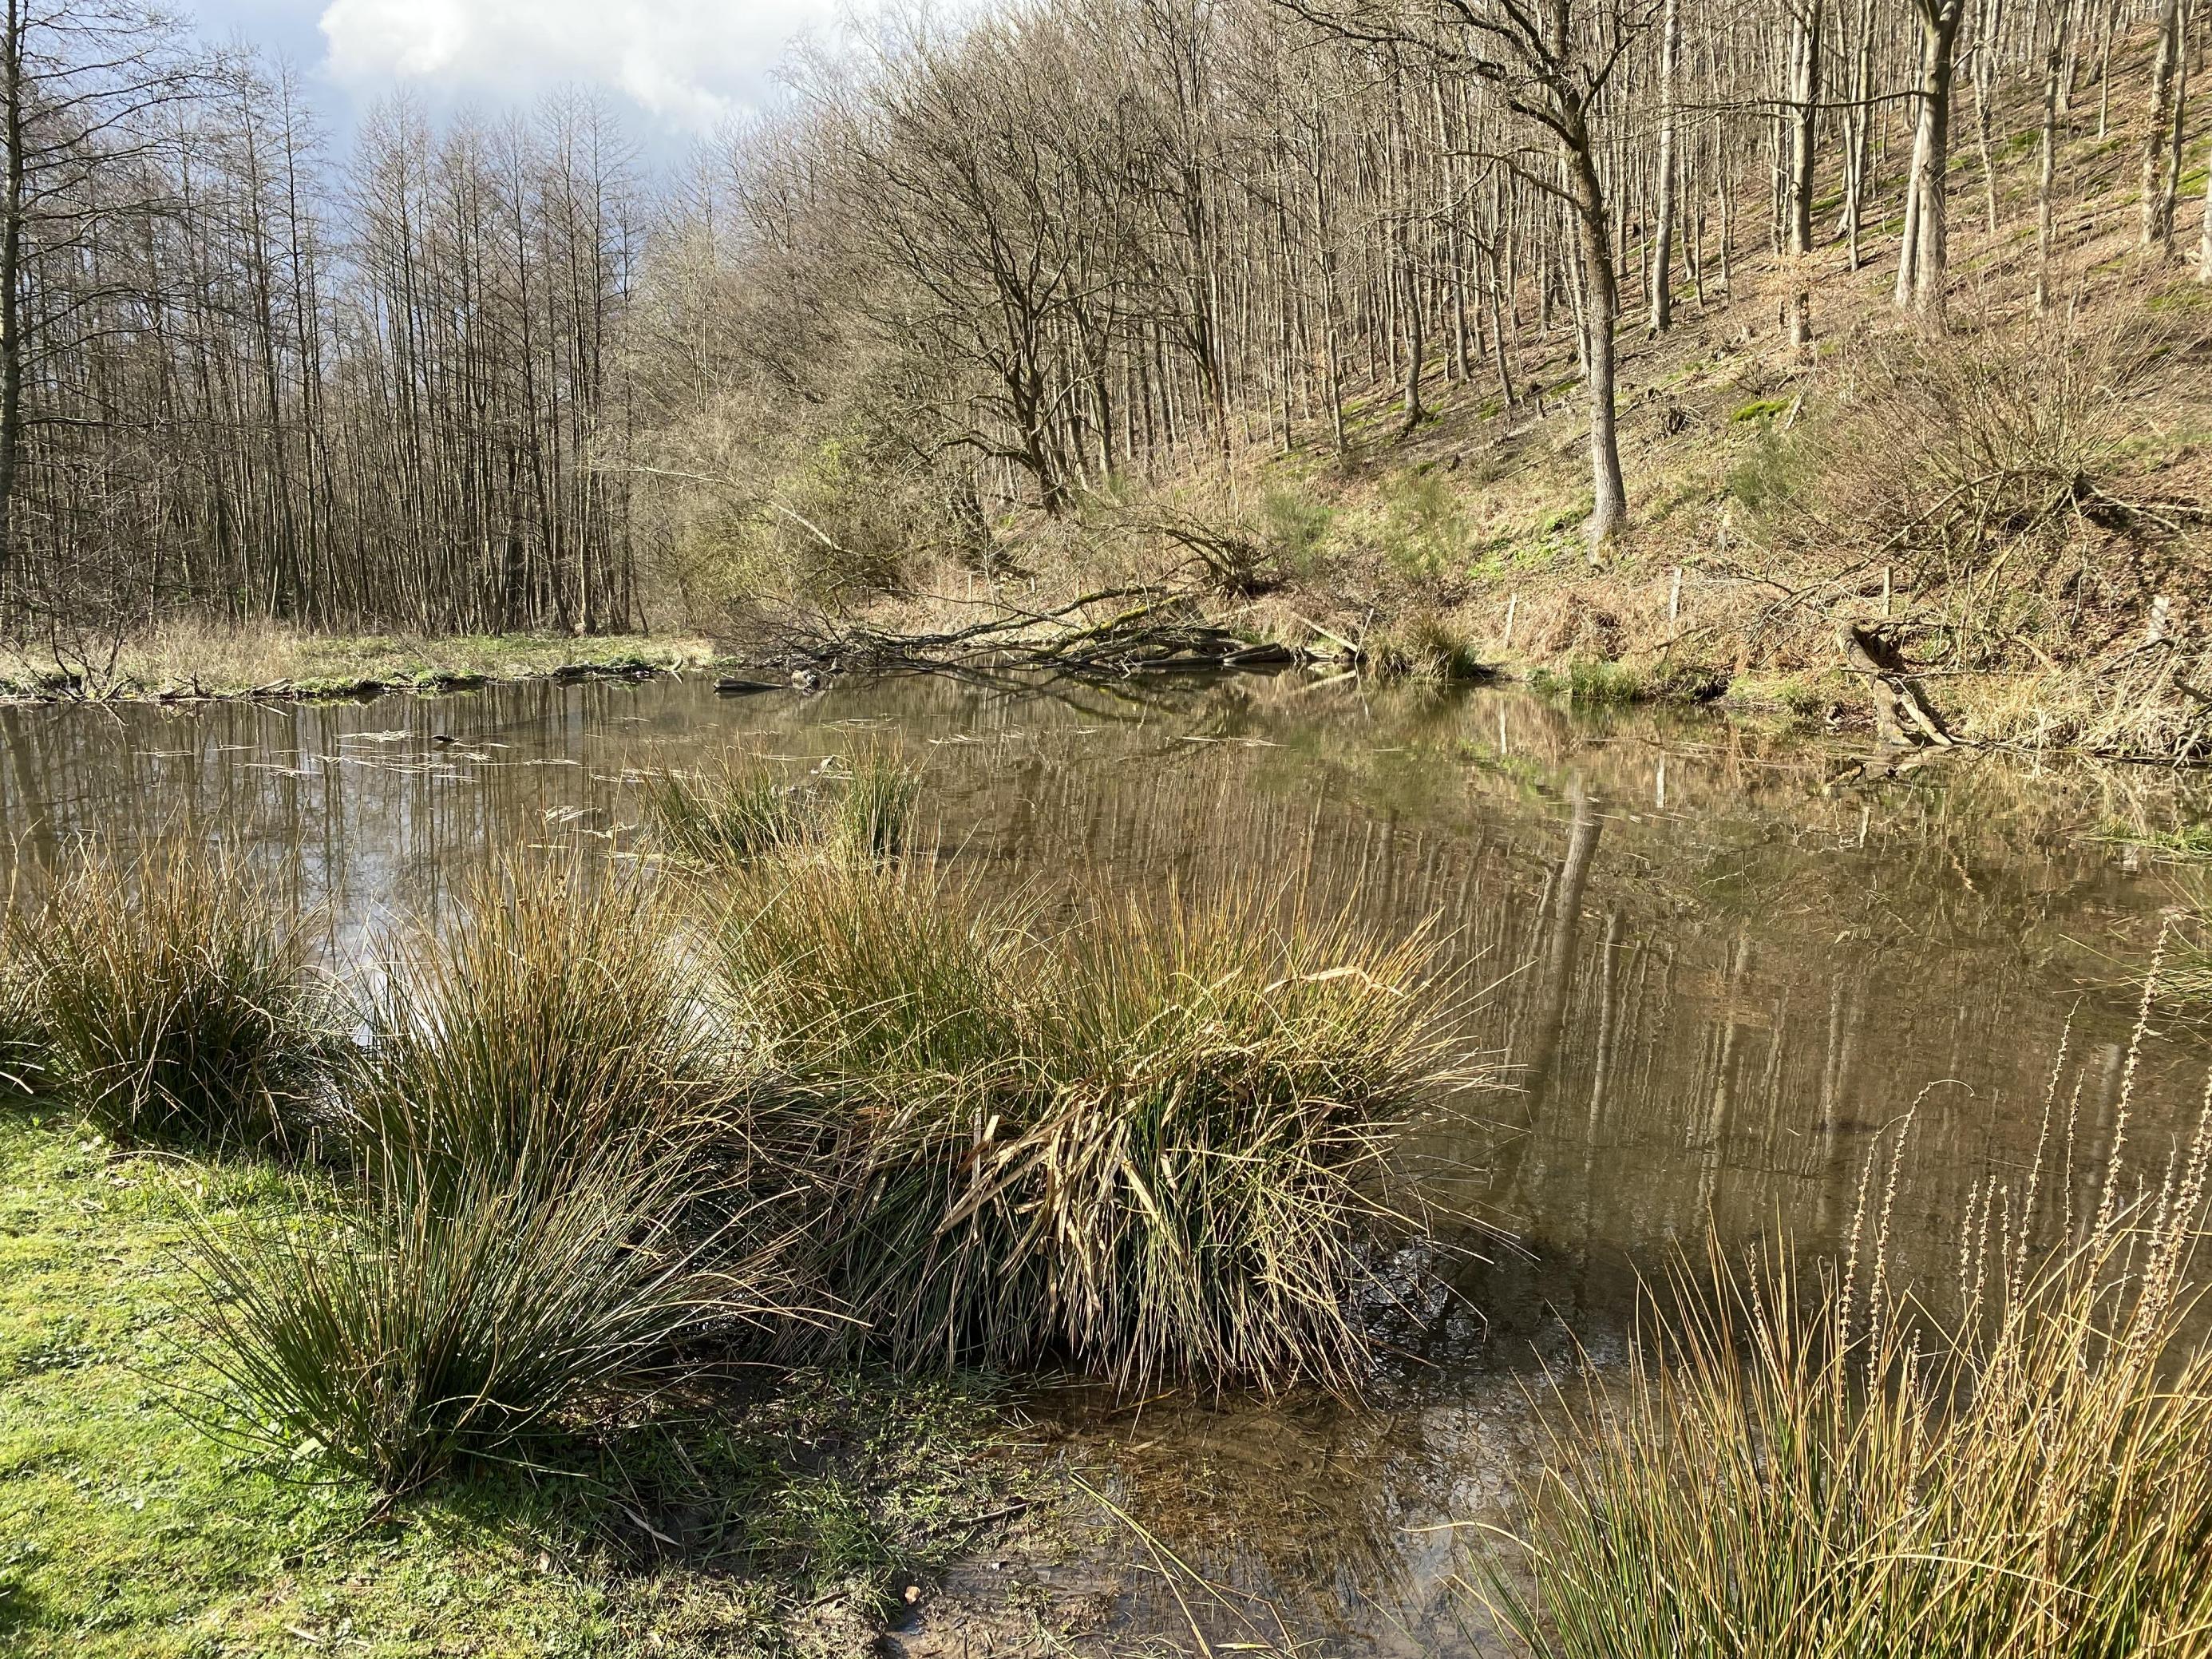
(2015, 506)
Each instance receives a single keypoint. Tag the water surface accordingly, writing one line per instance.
(1714, 964)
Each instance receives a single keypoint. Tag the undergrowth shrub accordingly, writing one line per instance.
(1772, 468)
(1297, 526)
(1987, 466)
(1423, 531)
(176, 1002)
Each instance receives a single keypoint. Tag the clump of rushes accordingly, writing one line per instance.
(1216, 1161)
(176, 1000)
(1833, 1474)
(731, 812)
(875, 806)
(1159, 1145)
(856, 974)
(541, 1021)
(742, 809)
(23, 1032)
(413, 1329)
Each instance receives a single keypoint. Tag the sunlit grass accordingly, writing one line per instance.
(125, 1533)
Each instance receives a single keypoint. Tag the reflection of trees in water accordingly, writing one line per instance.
(1777, 971)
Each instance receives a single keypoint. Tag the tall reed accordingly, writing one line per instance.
(23, 1040)
(1805, 1473)
(176, 1000)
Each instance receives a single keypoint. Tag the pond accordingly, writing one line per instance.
(1711, 963)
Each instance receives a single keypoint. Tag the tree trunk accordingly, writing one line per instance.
(1662, 308)
(1804, 97)
(11, 265)
(2161, 162)
(2054, 75)
(1601, 309)
(1924, 263)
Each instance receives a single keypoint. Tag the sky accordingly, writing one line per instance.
(675, 70)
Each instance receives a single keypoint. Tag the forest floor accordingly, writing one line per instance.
(184, 661)
(775, 1514)
(2020, 503)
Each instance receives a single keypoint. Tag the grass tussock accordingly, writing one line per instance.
(1589, 682)
(174, 1002)
(23, 1042)
(1158, 1145)
(1796, 1474)
(744, 808)
(855, 974)
(553, 1189)
(416, 1329)
(543, 1020)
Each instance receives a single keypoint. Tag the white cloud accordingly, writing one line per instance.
(687, 64)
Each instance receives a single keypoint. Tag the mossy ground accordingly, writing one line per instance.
(767, 1514)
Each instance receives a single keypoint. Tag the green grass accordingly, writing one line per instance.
(1587, 682)
(876, 801)
(1761, 408)
(125, 1533)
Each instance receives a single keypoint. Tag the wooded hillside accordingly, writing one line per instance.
(1065, 271)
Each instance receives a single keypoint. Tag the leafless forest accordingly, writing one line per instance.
(493, 372)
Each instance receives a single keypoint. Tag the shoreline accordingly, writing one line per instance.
(1264, 638)
(201, 667)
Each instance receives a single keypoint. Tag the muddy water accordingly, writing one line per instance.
(1713, 963)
